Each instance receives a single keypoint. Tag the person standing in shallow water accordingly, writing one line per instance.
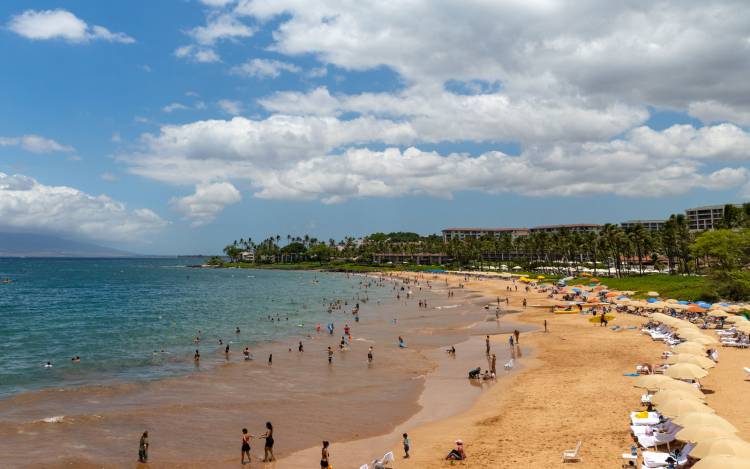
(324, 456)
(143, 448)
(268, 447)
(487, 345)
(245, 446)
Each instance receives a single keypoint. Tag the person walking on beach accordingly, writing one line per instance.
(487, 346)
(493, 364)
(510, 341)
(545, 326)
(369, 355)
(270, 359)
(300, 347)
(407, 446)
(268, 448)
(246, 438)
(517, 335)
(330, 355)
(524, 302)
(324, 456)
(143, 448)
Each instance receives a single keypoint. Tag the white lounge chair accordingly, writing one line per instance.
(747, 370)
(382, 462)
(572, 454)
(653, 459)
(364, 466)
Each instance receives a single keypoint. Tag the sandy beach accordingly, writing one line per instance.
(570, 389)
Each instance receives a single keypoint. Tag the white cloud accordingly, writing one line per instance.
(61, 24)
(264, 68)
(216, 3)
(109, 177)
(207, 202)
(713, 111)
(665, 54)
(27, 204)
(231, 107)
(221, 27)
(197, 54)
(36, 144)
(299, 157)
(171, 107)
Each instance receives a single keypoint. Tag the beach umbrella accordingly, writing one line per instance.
(722, 461)
(696, 309)
(704, 420)
(652, 294)
(690, 347)
(703, 362)
(651, 381)
(686, 371)
(676, 407)
(668, 395)
(704, 339)
(699, 433)
(677, 385)
(652, 300)
(718, 313)
(671, 300)
(613, 294)
(723, 445)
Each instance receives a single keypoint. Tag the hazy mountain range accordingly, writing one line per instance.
(40, 245)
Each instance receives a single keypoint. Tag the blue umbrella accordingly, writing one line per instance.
(652, 300)
(683, 302)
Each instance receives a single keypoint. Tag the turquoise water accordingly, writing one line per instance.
(114, 313)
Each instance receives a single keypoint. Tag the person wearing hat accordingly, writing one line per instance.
(457, 454)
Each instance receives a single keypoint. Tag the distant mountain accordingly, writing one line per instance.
(38, 245)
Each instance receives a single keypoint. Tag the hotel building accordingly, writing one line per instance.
(705, 218)
(476, 233)
(650, 225)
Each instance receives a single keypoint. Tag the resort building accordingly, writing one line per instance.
(575, 228)
(650, 225)
(419, 258)
(476, 233)
(248, 256)
(705, 218)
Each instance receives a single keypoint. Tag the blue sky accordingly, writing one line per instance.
(175, 126)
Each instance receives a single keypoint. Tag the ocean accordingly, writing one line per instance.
(118, 315)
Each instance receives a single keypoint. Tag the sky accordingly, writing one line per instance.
(174, 127)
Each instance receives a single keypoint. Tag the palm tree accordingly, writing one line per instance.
(638, 236)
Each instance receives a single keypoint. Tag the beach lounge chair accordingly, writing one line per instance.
(509, 365)
(656, 439)
(652, 419)
(747, 370)
(654, 459)
(572, 454)
(382, 463)
(364, 466)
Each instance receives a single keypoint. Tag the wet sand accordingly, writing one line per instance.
(194, 421)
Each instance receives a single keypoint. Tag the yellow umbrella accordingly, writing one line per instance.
(677, 407)
(700, 433)
(723, 445)
(703, 362)
(690, 347)
(722, 462)
(686, 371)
(670, 301)
(667, 395)
(653, 294)
(704, 420)
(651, 381)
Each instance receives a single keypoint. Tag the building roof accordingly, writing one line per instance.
(644, 221)
(574, 225)
(486, 229)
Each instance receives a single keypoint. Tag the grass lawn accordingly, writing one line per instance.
(668, 286)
